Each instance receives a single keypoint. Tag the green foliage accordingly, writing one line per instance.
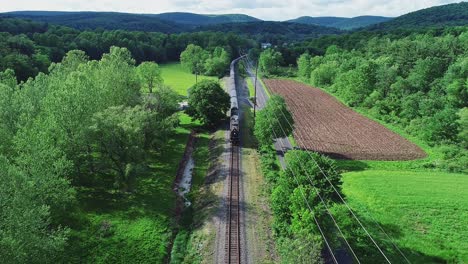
(150, 74)
(26, 231)
(208, 102)
(270, 61)
(295, 202)
(272, 31)
(356, 85)
(199, 61)
(32, 52)
(120, 135)
(437, 16)
(273, 119)
(84, 130)
(324, 75)
(341, 22)
(303, 66)
(193, 57)
(218, 63)
(463, 122)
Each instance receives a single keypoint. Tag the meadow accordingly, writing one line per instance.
(178, 78)
(425, 212)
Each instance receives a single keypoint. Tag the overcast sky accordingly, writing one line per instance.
(264, 9)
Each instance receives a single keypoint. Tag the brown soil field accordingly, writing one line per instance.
(325, 125)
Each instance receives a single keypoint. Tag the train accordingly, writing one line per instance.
(234, 127)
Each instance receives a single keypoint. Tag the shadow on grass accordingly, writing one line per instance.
(351, 165)
(386, 237)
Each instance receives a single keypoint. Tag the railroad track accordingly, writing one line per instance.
(233, 250)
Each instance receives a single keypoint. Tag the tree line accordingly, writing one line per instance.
(29, 47)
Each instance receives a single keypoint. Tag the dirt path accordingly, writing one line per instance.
(258, 217)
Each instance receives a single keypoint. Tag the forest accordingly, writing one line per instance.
(29, 47)
(90, 132)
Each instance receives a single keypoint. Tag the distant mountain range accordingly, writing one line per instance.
(177, 21)
(341, 22)
(438, 16)
(198, 20)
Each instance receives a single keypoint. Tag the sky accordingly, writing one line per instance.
(263, 9)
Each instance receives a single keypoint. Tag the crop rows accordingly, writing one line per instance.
(325, 125)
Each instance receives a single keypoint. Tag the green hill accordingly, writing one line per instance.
(287, 30)
(105, 20)
(320, 21)
(341, 22)
(438, 16)
(360, 21)
(197, 19)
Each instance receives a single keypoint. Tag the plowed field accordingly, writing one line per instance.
(325, 125)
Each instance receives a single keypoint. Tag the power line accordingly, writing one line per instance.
(341, 198)
(315, 218)
(321, 198)
(380, 227)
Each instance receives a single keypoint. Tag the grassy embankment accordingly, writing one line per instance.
(427, 209)
(137, 227)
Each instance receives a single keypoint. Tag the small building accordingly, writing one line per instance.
(183, 105)
(266, 45)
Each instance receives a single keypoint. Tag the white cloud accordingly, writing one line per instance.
(265, 9)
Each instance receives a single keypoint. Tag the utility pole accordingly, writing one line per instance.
(255, 91)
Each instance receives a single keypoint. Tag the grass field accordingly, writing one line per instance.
(178, 78)
(427, 211)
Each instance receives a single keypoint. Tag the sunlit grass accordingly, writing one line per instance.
(178, 78)
(428, 211)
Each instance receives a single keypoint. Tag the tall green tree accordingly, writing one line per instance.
(193, 58)
(303, 66)
(26, 232)
(273, 119)
(270, 61)
(150, 75)
(208, 102)
(118, 134)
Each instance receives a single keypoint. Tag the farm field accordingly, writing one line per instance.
(425, 212)
(178, 78)
(324, 125)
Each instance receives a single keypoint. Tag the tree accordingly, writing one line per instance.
(355, 85)
(269, 61)
(274, 120)
(208, 102)
(118, 135)
(218, 63)
(193, 58)
(303, 66)
(26, 233)
(150, 74)
(324, 75)
(463, 122)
